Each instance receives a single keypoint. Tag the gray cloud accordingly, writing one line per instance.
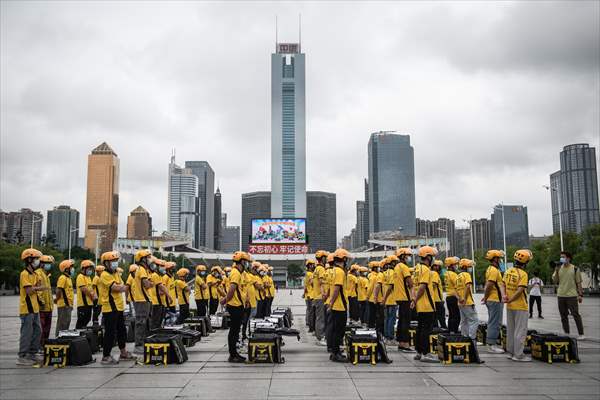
(488, 92)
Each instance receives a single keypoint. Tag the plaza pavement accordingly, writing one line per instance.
(307, 373)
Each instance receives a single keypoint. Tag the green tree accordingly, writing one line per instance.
(590, 254)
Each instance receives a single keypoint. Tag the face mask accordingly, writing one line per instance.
(152, 267)
(563, 260)
(114, 265)
(470, 270)
(47, 267)
(89, 272)
(72, 272)
(162, 270)
(501, 266)
(36, 263)
(202, 273)
(408, 259)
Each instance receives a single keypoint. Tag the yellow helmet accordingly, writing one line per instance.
(393, 258)
(341, 254)
(181, 272)
(110, 256)
(66, 264)
(133, 268)
(141, 254)
(226, 269)
(241, 255)
(87, 264)
(99, 269)
(119, 270)
(170, 265)
(321, 253)
(451, 261)
(374, 264)
(31, 253)
(355, 267)
(200, 267)
(439, 263)
(256, 264)
(310, 261)
(523, 256)
(364, 269)
(215, 268)
(48, 259)
(465, 263)
(330, 258)
(425, 251)
(405, 251)
(494, 253)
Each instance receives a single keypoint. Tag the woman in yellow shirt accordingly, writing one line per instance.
(438, 297)
(64, 295)
(45, 297)
(363, 282)
(183, 295)
(213, 281)
(352, 293)
(85, 294)
(516, 280)
(201, 290)
(469, 321)
(451, 300)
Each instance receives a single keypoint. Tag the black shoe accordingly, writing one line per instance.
(236, 359)
(540, 317)
(338, 358)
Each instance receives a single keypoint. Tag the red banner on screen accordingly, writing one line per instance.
(278, 249)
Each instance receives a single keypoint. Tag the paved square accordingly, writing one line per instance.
(307, 372)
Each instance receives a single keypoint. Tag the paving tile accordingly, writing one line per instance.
(155, 393)
(223, 389)
(149, 381)
(46, 394)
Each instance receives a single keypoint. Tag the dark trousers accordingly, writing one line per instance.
(570, 305)
(379, 318)
(338, 322)
(260, 308)
(453, 314)
(245, 320)
(201, 306)
(235, 323)
(157, 316)
(424, 328)
(313, 317)
(440, 315)
(354, 308)
(213, 304)
(268, 305)
(96, 312)
(363, 310)
(46, 324)
(372, 315)
(532, 301)
(84, 315)
(329, 329)
(402, 334)
(184, 313)
(114, 326)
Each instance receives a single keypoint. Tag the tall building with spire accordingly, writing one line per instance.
(288, 136)
(218, 223)
(102, 202)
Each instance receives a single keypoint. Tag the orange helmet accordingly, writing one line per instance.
(405, 251)
(494, 253)
(465, 263)
(310, 261)
(31, 253)
(99, 269)
(342, 254)
(170, 265)
(48, 259)
(321, 253)
(330, 258)
(201, 267)
(110, 256)
(523, 256)
(451, 261)
(425, 251)
(87, 264)
(241, 255)
(182, 272)
(66, 264)
(133, 268)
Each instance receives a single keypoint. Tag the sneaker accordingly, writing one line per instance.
(36, 358)
(109, 361)
(236, 359)
(26, 362)
(417, 357)
(495, 349)
(405, 349)
(531, 316)
(429, 358)
(581, 337)
(338, 357)
(138, 349)
(127, 357)
(540, 317)
(321, 342)
(522, 359)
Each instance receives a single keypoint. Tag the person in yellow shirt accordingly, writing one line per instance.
(438, 296)
(160, 294)
(267, 286)
(29, 287)
(338, 304)
(64, 295)
(130, 285)
(183, 295)
(168, 279)
(469, 321)
(329, 287)
(402, 287)
(422, 300)
(97, 308)
(389, 300)
(201, 290)
(234, 301)
(213, 281)
(493, 297)
(111, 289)
(371, 293)
(272, 289)
(319, 296)
(251, 284)
(45, 297)
(141, 294)
(85, 294)
(516, 280)
(451, 300)
(363, 282)
(307, 294)
(352, 293)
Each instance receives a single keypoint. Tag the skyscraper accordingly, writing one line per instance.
(321, 224)
(255, 205)
(577, 181)
(288, 120)
(362, 224)
(204, 230)
(482, 234)
(516, 224)
(139, 224)
(183, 201)
(218, 227)
(440, 228)
(391, 183)
(367, 220)
(61, 220)
(102, 203)
(16, 226)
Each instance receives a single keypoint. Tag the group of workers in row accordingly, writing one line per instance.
(152, 288)
(387, 295)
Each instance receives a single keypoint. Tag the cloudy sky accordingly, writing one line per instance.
(489, 93)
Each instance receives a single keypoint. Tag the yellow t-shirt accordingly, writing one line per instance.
(155, 296)
(423, 275)
(450, 280)
(45, 301)
(169, 283)
(437, 287)
(139, 292)
(372, 279)
(225, 283)
(463, 279)
(318, 276)
(401, 290)
(110, 301)
(362, 288)
(308, 285)
(494, 275)
(182, 295)
(388, 282)
(83, 299)
(327, 281)
(199, 293)
(130, 282)
(236, 278)
(515, 278)
(65, 285)
(339, 279)
(352, 285)
(248, 281)
(271, 291)
(28, 304)
(212, 284)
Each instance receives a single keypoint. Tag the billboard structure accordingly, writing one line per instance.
(278, 236)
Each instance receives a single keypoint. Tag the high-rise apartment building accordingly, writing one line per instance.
(391, 184)
(205, 219)
(62, 221)
(139, 224)
(102, 202)
(362, 224)
(516, 226)
(577, 181)
(482, 234)
(288, 124)
(16, 226)
(321, 224)
(183, 202)
(440, 228)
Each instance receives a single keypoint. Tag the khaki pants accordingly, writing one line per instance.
(516, 331)
(319, 318)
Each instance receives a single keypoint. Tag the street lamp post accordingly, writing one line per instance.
(99, 234)
(71, 230)
(33, 221)
(503, 230)
(471, 237)
(557, 190)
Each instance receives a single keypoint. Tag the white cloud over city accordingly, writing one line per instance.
(489, 92)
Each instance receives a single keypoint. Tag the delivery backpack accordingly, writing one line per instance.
(265, 348)
(92, 337)
(361, 346)
(67, 350)
(433, 339)
(285, 314)
(198, 324)
(189, 337)
(164, 349)
(220, 320)
(453, 349)
(554, 348)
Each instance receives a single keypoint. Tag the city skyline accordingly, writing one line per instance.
(348, 102)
